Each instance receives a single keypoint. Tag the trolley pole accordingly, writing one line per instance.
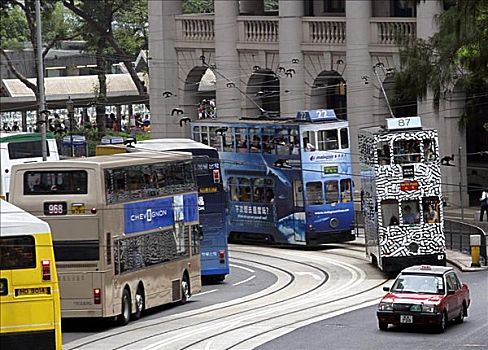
(71, 111)
(461, 183)
(40, 83)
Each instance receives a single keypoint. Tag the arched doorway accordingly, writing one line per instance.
(263, 88)
(329, 92)
(199, 87)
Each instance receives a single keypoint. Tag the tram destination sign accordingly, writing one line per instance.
(403, 123)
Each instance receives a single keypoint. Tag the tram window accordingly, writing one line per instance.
(241, 140)
(429, 150)
(331, 192)
(431, 209)
(344, 138)
(244, 190)
(215, 138)
(204, 135)
(228, 140)
(383, 153)
(294, 141)
(255, 137)
(233, 185)
(196, 134)
(314, 193)
(410, 212)
(328, 140)
(282, 141)
(389, 212)
(310, 138)
(258, 190)
(406, 151)
(298, 193)
(268, 137)
(346, 194)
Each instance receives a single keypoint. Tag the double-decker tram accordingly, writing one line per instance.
(401, 190)
(125, 229)
(288, 180)
(214, 257)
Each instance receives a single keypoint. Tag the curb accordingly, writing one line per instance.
(456, 263)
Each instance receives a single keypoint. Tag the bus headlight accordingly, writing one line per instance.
(385, 307)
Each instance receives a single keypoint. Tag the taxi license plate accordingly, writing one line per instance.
(32, 291)
(406, 319)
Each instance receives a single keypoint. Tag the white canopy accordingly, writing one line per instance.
(15, 221)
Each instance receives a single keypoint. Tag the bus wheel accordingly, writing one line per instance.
(124, 316)
(185, 289)
(140, 303)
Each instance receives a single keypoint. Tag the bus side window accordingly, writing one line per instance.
(228, 140)
(233, 189)
(314, 193)
(431, 209)
(346, 193)
(244, 189)
(331, 192)
(389, 212)
(258, 190)
(241, 140)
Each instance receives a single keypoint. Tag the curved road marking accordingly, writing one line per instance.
(242, 268)
(246, 280)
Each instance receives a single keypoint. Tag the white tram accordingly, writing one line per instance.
(401, 194)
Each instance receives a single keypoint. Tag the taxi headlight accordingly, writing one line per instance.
(385, 307)
(429, 308)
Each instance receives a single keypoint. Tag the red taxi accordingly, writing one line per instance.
(424, 295)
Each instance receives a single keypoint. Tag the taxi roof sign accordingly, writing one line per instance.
(425, 267)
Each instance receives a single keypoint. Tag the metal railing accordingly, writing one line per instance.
(458, 236)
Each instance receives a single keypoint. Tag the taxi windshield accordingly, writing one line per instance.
(425, 284)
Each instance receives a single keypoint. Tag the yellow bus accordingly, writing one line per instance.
(30, 315)
(125, 229)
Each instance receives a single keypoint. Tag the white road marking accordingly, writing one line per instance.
(210, 343)
(315, 276)
(242, 268)
(207, 292)
(246, 280)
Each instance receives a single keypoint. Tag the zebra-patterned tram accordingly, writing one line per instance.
(401, 194)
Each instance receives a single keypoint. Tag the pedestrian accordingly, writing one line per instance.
(484, 204)
(6, 128)
(15, 127)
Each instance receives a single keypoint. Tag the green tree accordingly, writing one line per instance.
(457, 55)
(18, 25)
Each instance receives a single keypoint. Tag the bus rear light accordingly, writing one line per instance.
(97, 295)
(93, 210)
(216, 176)
(46, 270)
(222, 256)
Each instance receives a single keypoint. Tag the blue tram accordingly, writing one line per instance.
(288, 180)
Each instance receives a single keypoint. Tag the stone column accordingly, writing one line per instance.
(358, 65)
(163, 68)
(228, 98)
(251, 7)
(292, 87)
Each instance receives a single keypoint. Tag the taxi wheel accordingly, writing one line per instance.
(443, 323)
(462, 314)
(383, 326)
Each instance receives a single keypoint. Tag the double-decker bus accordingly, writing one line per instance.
(214, 258)
(401, 187)
(30, 314)
(125, 229)
(22, 147)
(288, 180)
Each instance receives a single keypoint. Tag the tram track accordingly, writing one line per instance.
(214, 308)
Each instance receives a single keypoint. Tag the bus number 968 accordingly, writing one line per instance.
(59, 208)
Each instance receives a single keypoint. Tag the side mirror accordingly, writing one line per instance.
(200, 232)
(386, 289)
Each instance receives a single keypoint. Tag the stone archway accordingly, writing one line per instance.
(193, 94)
(329, 92)
(263, 88)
